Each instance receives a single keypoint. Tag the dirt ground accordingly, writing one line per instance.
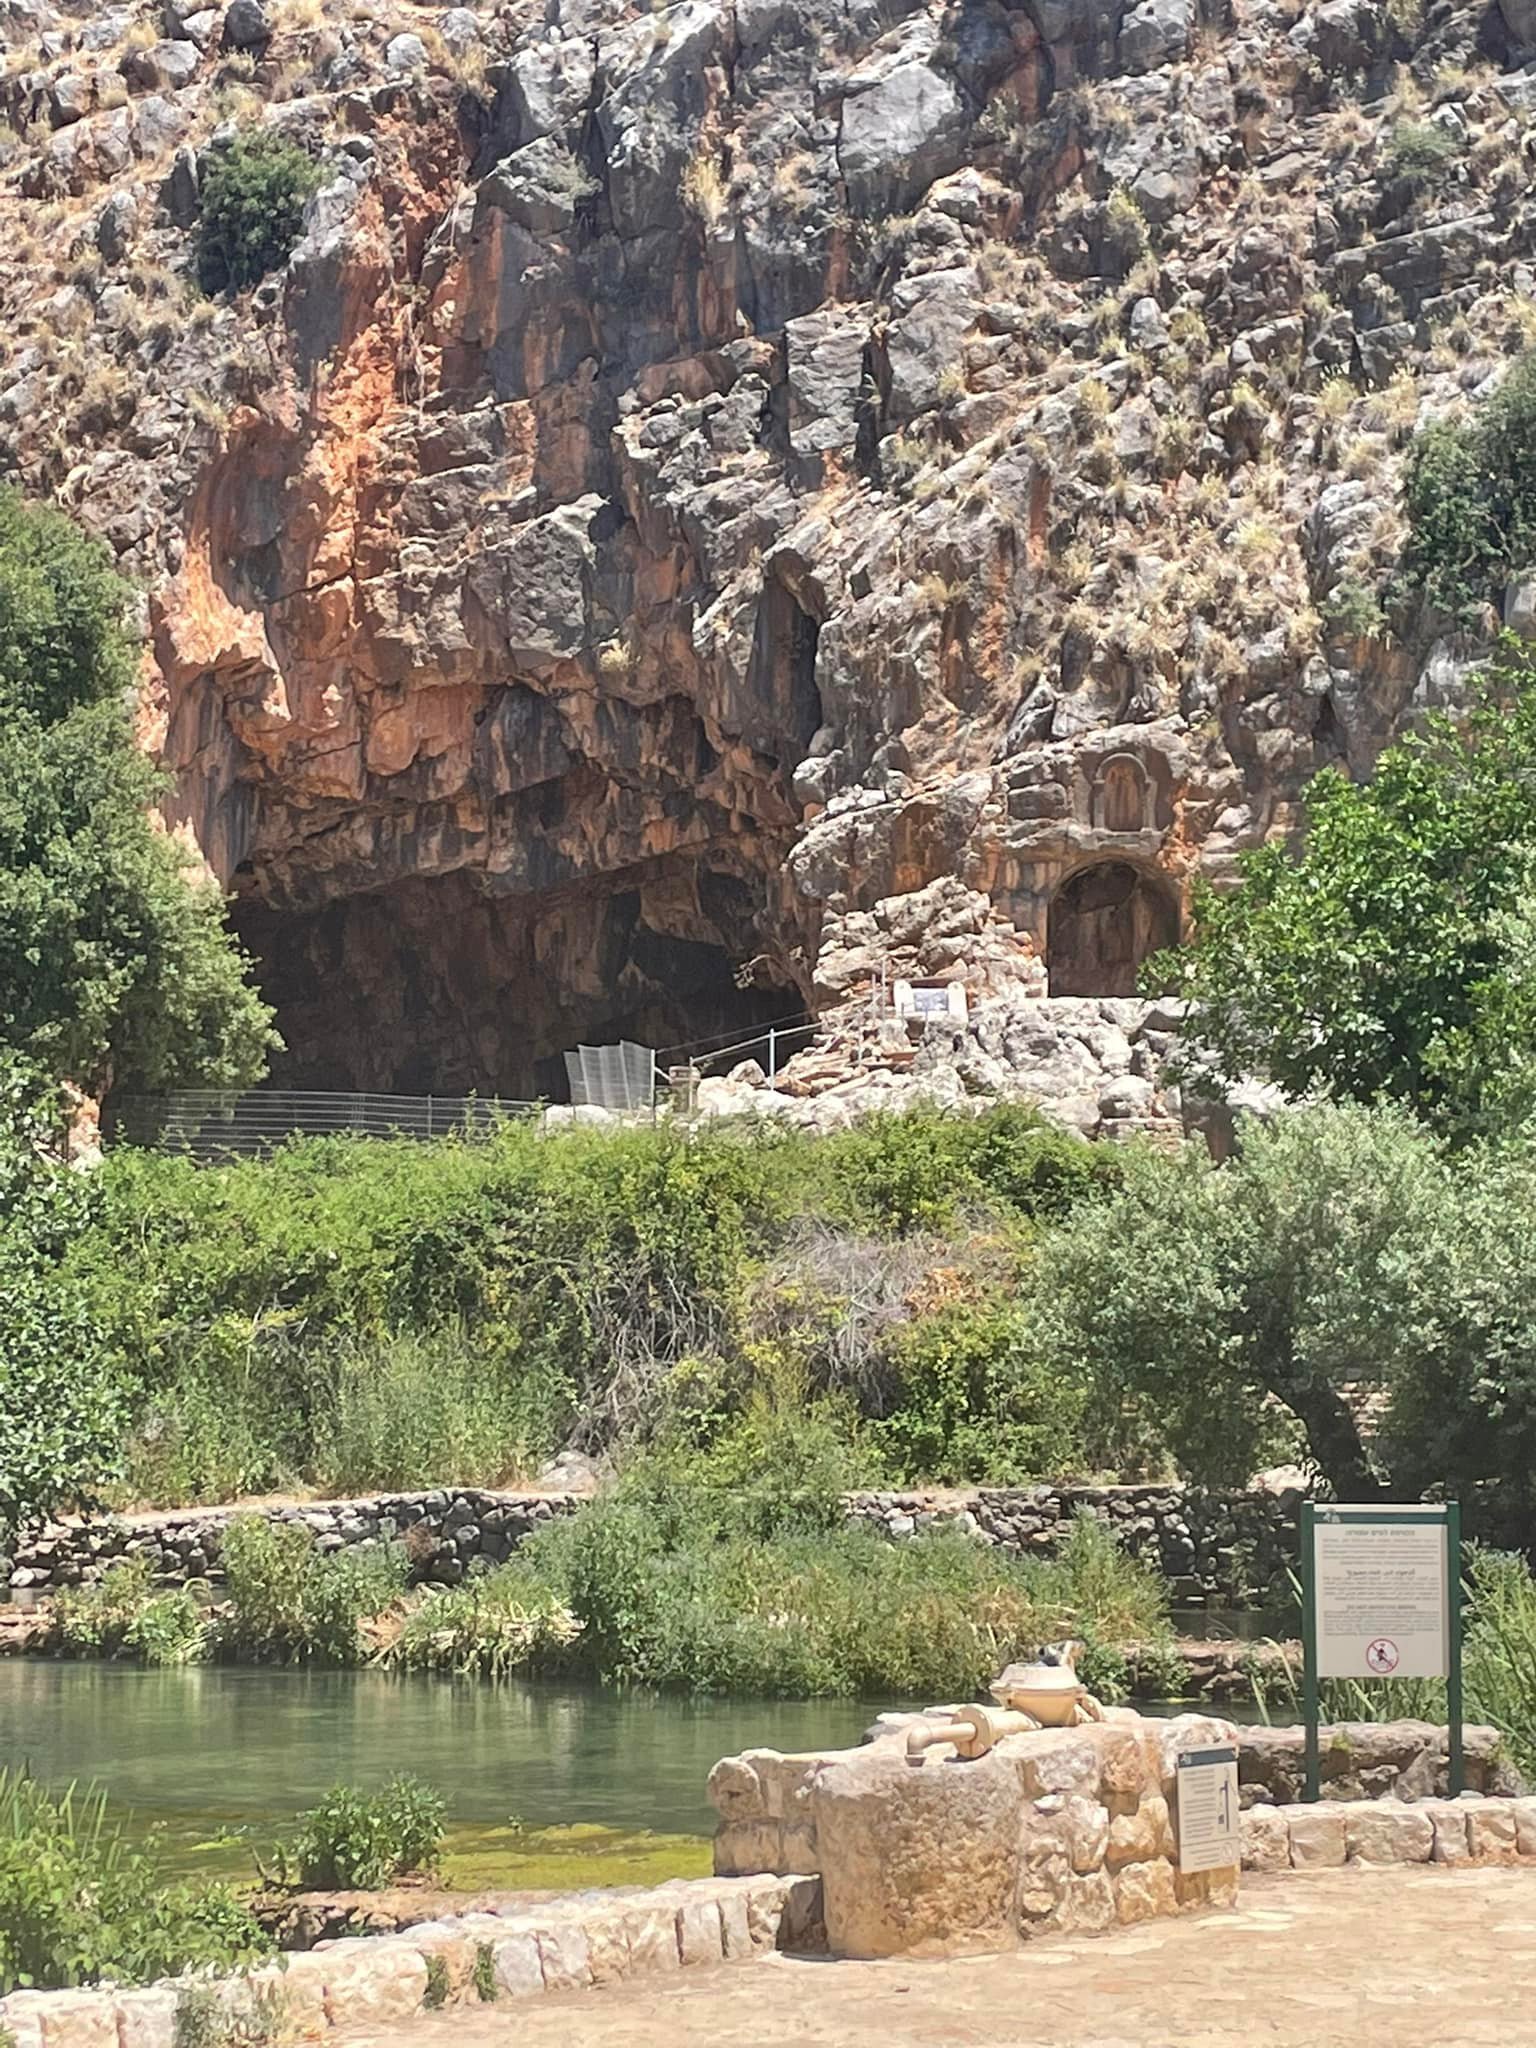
(1407, 1958)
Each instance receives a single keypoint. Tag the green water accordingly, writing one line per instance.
(608, 1788)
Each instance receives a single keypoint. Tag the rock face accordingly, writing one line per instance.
(707, 473)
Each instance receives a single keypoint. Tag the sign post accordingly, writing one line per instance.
(1209, 1838)
(1381, 1598)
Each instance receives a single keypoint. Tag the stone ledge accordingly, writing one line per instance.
(1468, 1830)
(590, 1938)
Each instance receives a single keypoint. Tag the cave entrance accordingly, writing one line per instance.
(435, 986)
(1104, 922)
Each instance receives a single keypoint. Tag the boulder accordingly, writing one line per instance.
(247, 25)
(918, 1861)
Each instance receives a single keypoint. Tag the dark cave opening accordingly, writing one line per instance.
(1105, 920)
(437, 986)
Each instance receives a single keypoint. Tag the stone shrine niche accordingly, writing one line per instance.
(1103, 923)
(1121, 798)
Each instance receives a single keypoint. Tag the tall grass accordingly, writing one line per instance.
(1498, 1667)
(78, 1903)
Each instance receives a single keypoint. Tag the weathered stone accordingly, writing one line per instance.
(1387, 1831)
(1266, 1837)
(1493, 1830)
(1144, 1891)
(917, 1860)
(566, 1956)
(1318, 1839)
(519, 1968)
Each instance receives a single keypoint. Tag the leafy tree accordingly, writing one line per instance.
(115, 967)
(1391, 956)
(61, 1408)
(1217, 1298)
(1469, 492)
(253, 204)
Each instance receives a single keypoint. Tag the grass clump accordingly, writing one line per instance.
(495, 1625)
(253, 202)
(78, 1904)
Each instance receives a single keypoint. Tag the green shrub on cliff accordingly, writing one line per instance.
(252, 208)
(1469, 494)
(115, 966)
(1393, 955)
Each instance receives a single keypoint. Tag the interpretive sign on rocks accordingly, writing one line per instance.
(1209, 1834)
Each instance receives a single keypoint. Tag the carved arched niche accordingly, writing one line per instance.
(1121, 799)
(1104, 921)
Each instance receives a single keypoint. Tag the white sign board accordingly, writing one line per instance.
(1209, 1837)
(1382, 1592)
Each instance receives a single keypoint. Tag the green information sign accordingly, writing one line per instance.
(1381, 1598)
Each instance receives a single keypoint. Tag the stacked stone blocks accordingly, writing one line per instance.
(568, 1945)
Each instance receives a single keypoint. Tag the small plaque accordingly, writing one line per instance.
(1209, 1838)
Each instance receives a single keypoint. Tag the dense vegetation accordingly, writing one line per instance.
(252, 207)
(78, 1902)
(114, 967)
(351, 1314)
(673, 1581)
(1395, 955)
(1469, 492)
(942, 1298)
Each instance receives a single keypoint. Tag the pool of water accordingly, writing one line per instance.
(542, 1785)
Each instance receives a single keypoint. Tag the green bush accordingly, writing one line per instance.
(674, 1589)
(290, 1604)
(1469, 493)
(362, 1841)
(252, 208)
(78, 1904)
(497, 1624)
(976, 1400)
(1392, 954)
(1419, 152)
(115, 966)
(123, 1615)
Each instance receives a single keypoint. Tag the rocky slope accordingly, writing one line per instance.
(709, 477)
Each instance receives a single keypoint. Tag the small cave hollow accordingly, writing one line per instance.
(782, 676)
(436, 986)
(1103, 922)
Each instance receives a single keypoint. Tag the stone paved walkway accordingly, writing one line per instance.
(1403, 1958)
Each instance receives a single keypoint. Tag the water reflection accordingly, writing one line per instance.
(256, 1745)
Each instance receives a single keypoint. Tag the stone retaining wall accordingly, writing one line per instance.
(443, 1531)
(1466, 1830)
(1226, 1547)
(567, 1945)
(1222, 1547)
(1369, 1760)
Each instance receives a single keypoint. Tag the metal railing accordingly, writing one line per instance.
(210, 1124)
(775, 1041)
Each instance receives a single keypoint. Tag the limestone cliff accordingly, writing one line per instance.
(709, 471)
